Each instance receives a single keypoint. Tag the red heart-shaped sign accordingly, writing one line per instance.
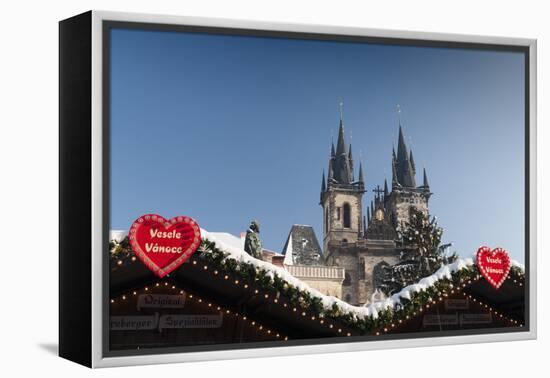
(163, 245)
(494, 265)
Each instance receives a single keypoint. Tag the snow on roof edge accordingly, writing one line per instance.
(328, 301)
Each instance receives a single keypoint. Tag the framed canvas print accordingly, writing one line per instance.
(232, 189)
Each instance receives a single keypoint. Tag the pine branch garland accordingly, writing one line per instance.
(270, 282)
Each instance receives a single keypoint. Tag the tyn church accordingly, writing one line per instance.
(363, 244)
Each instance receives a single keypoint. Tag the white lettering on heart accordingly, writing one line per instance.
(155, 233)
(155, 248)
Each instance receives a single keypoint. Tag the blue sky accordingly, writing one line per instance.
(230, 128)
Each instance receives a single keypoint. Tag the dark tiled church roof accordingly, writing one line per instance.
(303, 245)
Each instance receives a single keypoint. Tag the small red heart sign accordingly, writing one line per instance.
(494, 265)
(163, 245)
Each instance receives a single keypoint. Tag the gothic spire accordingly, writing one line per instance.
(340, 144)
(412, 161)
(323, 183)
(394, 181)
(401, 146)
(332, 153)
(403, 165)
(368, 214)
(425, 184)
(350, 159)
(361, 177)
(385, 188)
(341, 160)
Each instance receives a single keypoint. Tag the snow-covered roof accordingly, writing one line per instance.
(240, 255)
(232, 246)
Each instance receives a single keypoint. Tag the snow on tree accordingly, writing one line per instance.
(422, 253)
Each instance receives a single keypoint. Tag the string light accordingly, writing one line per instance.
(462, 283)
(493, 311)
(275, 299)
(254, 324)
(470, 297)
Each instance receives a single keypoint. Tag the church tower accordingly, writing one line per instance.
(405, 194)
(342, 195)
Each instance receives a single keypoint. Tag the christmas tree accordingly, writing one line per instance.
(421, 255)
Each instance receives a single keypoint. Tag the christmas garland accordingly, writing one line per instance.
(387, 313)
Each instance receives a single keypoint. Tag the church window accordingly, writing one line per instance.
(338, 209)
(347, 215)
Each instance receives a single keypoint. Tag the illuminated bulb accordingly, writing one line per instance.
(348, 334)
(256, 291)
(205, 267)
(331, 326)
(236, 282)
(157, 284)
(303, 314)
(146, 289)
(124, 297)
(226, 277)
(194, 262)
(112, 301)
(135, 293)
(119, 262)
(245, 286)
(266, 296)
(215, 272)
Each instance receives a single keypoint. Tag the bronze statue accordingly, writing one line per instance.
(252, 242)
